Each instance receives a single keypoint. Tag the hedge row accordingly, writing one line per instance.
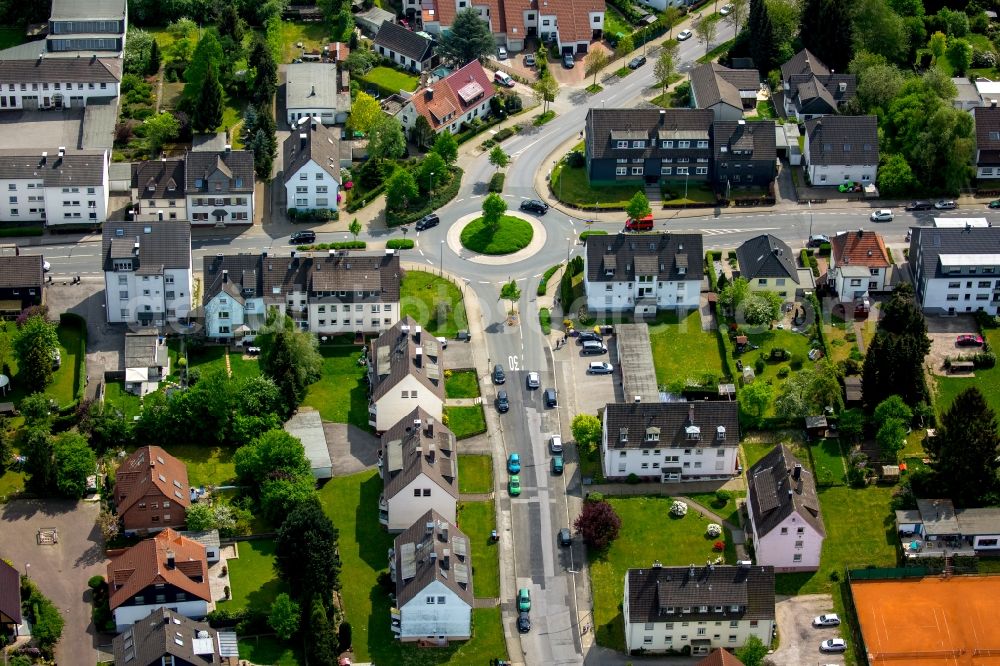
(442, 195)
(543, 286)
(79, 380)
(355, 204)
(808, 260)
(496, 182)
(595, 232)
(400, 244)
(501, 135)
(13, 232)
(710, 257)
(314, 215)
(342, 245)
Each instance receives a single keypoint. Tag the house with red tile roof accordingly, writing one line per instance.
(167, 571)
(151, 491)
(859, 264)
(458, 98)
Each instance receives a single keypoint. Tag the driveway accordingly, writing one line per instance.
(60, 570)
(799, 639)
(593, 392)
(942, 331)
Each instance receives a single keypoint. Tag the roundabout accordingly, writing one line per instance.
(511, 235)
(471, 228)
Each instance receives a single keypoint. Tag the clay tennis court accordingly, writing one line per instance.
(930, 621)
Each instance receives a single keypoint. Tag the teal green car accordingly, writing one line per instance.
(523, 600)
(514, 485)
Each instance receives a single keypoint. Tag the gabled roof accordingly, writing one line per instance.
(621, 257)
(164, 632)
(743, 139)
(417, 445)
(77, 168)
(64, 70)
(654, 425)
(720, 658)
(821, 94)
(859, 248)
(10, 593)
(573, 18)
(312, 142)
(933, 244)
(22, 271)
(713, 83)
(332, 277)
(235, 165)
(442, 102)
(778, 485)
(158, 179)
(837, 140)
(766, 256)
(161, 245)
(312, 85)
(987, 134)
(803, 63)
(238, 275)
(650, 124)
(432, 549)
(394, 357)
(148, 563)
(148, 470)
(405, 42)
(660, 594)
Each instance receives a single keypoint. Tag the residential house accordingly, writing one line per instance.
(745, 155)
(786, 525)
(57, 187)
(987, 121)
(458, 98)
(643, 273)
(859, 264)
(418, 463)
(233, 296)
(219, 186)
(57, 83)
(21, 282)
(810, 89)
(431, 565)
(311, 91)
(151, 491)
(966, 95)
(956, 270)
(165, 637)
(841, 149)
(671, 441)
(648, 145)
(405, 371)
(158, 190)
(166, 571)
(147, 272)
(726, 92)
(937, 529)
(78, 29)
(312, 167)
(372, 19)
(989, 91)
(720, 657)
(147, 362)
(403, 47)
(768, 264)
(697, 608)
(10, 601)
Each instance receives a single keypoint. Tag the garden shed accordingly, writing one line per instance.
(816, 426)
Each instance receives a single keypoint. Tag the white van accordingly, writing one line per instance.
(503, 79)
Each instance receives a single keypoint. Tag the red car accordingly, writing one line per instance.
(969, 340)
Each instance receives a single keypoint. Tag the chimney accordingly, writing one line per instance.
(416, 424)
(228, 148)
(312, 93)
(45, 156)
(429, 93)
(797, 471)
(431, 451)
(993, 104)
(170, 559)
(416, 333)
(843, 86)
(62, 151)
(430, 427)
(225, 276)
(691, 413)
(741, 122)
(637, 399)
(93, 58)
(657, 564)
(303, 138)
(419, 355)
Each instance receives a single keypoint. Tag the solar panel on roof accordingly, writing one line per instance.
(433, 371)
(461, 574)
(767, 492)
(408, 560)
(460, 546)
(430, 345)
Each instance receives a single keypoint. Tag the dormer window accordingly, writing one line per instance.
(692, 432)
(666, 144)
(720, 433)
(199, 183)
(652, 434)
(702, 609)
(638, 144)
(623, 435)
(734, 608)
(171, 185)
(670, 610)
(621, 144)
(847, 147)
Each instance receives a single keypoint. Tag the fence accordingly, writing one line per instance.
(888, 573)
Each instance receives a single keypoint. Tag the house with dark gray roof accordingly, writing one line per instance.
(311, 91)
(841, 149)
(232, 297)
(987, 119)
(431, 565)
(405, 371)
(22, 280)
(786, 524)
(768, 264)
(671, 441)
(10, 600)
(219, 186)
(78, 29)
(167, 637)
(147, 272)
(744, 155)
(956, 270)
(57, 83)
(643, 273)
(418, 464)
(811, 90)
(406, 48)
(158, 190)
(311, 166)
(648, 145)
(665, 606)
(726, 92)
(55, 186)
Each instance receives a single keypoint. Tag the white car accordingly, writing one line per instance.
(600, 368)
(684, 35)
(945, 204)
(833, 645)
(501, 53)
(534, 381)
(46, 266)
(555, 444)
(828, 620)
(882, 215)
(726, 11)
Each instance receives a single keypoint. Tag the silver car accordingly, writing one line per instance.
(533, 381)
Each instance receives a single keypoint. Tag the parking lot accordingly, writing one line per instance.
(593, 391)
(943, 331)
(799, 638)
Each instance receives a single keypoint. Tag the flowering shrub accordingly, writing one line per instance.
(713, 530)
(678, 508)
(718, 546)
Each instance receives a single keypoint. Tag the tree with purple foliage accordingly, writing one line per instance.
(598, 524)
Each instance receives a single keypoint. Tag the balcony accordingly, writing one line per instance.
(396, 619)
(383, 510)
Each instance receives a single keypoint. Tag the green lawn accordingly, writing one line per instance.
(389, 81)
(462, 384)
(433, 302)
(765, 110)
(314, 36)
(206, 466)
(795, 343)
(829, 462)
(10, 482)
(478, 520)
(465, 421)
(679, 192)
(682, 352)
(752, 452)
(352, 504)
(65, 381)
(511, 234)
(647, 534)
(840, 337)
(253, 580)
(475, 473)
(614, 23)
(11, 37)
(127, 403)
(571, 186)
(726, 509)
(269, 650)
(243, 368)
(987, 381)
(340, 395)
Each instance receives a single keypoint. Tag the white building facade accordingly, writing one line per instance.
(219, 187)
(311, 186)
(57, 83)
(956, 270)
(126, 616)
(55, 187)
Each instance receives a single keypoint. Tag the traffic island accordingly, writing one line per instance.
(510, 235)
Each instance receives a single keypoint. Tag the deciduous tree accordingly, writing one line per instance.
(546, 88)
(386, 141)
(878, 29)
(705, 28)
(595, 61)
(963, 451)
(598, 524)
(937, 45)
(365, 112)
(624, 46)
(469, 38)
(753, 652)
(447, 147)
(510, 292)
(960, 55)
(200, 517)
(499, 158)
(494, 208)
(737, 14)
(289, 357)
(400, 190)
(666, 64)
(755, 398)
(422, 134)
(275, 454)
(35, 345)
(638, 206)
(354, 228)
(74, 462)
(433, 171)
(35, 444)
(586, 430)
(891, 437)
(160, 129)
(284, 616)
(825, 29)
(761, 308)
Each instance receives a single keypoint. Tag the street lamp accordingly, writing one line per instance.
(430, 183)
(687, 175)
(810, 218)
(441, 264)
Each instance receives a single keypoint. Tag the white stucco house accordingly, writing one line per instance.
(158, 190)
(841, 149)
(418, 464)
(671, 441)
(697, 608)
(956, 269)
(458, 98)
(58, 186)
(57, 83)
(312, 91)
(405, 371)
(786, 525)
(311, 167)
(768, 264)
(431, 565)
(232, 296)
(859, 264)
(219, 186)
(643, 273)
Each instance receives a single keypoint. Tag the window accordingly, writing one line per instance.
(800, 530)
(428, 600)
(416, 491)
(441, 600)
(784, 530)
(665, 171)
(621, 144)
(639, 144)
(637, 171)
(647, 640)
(683, 144)
(799, 544)
(703, 144)
(682, 171)
(621, 171)
(797, 557)
(666, 144)
(701, 171)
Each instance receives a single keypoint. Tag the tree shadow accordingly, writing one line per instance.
(33, 508)
(372, 538)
